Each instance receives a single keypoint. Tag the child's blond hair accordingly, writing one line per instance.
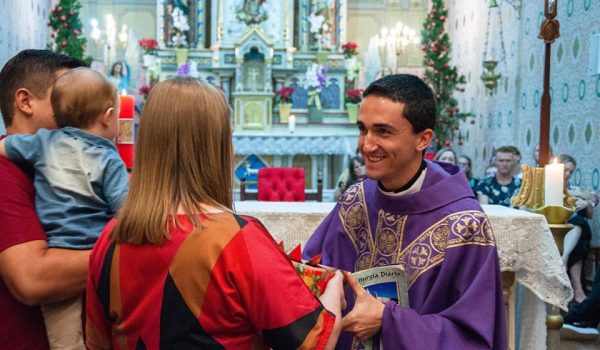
(80, 96)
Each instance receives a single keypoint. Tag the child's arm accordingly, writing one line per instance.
(115, 183)
(2, 150)
(23, 147)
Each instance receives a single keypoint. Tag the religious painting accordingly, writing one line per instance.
(126, 131)
(179, 23)
(323, 27)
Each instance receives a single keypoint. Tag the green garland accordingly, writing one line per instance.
(66, 25)
(443, 78)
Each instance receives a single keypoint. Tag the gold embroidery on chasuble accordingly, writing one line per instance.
(377, 249)
(455, 230)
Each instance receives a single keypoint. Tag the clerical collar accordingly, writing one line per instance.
(416, 180)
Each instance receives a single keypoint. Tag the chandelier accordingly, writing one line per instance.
(392, 43)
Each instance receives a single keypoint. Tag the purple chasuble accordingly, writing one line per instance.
(445, 243)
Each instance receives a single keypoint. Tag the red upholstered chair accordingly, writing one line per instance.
(282, 185)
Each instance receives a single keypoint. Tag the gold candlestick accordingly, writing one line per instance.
(531, 195)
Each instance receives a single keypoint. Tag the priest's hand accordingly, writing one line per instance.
(365, 318)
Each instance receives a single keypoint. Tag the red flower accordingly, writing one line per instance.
(284, 95)
(148, 45)
(353, 96)
(350, 49)
(145, 90)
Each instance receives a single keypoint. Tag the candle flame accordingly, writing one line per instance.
(554, 161)
(124, 92)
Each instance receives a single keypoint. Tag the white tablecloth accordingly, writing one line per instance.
(524, 241)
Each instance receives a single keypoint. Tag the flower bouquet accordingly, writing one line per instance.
(148, 45)
(350, 49)
(284, 95)
(352, 98)
(314, 275)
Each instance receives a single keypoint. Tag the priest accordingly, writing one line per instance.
(418, 214)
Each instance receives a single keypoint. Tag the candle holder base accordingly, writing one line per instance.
(557, 217)
(555, 214)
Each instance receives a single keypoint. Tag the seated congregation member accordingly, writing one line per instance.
(583, 318)
(446, 155)
(31, 273)
(80, 180)
(421, 215)
(577, 241)
(178, 269)
(466, 163)
(498, 189)
(355, 173)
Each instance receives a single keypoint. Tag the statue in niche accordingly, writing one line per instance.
(252, 12)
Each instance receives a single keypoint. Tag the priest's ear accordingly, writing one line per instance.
(424, 138)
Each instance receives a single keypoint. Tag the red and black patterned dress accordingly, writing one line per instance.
(226, 286)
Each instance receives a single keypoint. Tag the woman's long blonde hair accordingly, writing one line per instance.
(183, 159)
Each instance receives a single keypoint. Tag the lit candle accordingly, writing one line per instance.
(554, 177)
(292, 123)
(125, 137)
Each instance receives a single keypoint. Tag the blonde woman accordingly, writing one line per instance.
(179, 269)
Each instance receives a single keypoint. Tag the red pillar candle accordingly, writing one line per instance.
(125, 138)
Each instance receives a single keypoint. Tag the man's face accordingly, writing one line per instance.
(504, 163)
(387, 141)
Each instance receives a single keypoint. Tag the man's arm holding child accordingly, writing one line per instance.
(35, 274)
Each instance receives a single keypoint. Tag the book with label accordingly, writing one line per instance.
(386, 283)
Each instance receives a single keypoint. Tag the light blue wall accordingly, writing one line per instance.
(511, 115)
(22, 26)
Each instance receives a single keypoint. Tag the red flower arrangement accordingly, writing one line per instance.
(284, 95)
(350, 49)
(145, 90)
(353, 96)
(148, 45)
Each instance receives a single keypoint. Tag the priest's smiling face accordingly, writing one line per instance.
(392, 151)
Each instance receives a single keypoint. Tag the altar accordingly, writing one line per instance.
(250, 49)
(525, 247)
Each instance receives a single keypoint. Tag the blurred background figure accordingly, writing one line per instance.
(466, 164)
(119, 76)
(499, 188)
(577, 241)
(356, 172)
(536, 154)
(516, 171)
(446, 155)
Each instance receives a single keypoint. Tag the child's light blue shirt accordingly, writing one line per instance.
(80, 182)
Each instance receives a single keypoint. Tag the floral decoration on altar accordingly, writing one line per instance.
(353, 96)
(180, 24)
(350, 49)
(321, 31)
(351, 63)
(316, 78)
(148, 45)
(284, 95)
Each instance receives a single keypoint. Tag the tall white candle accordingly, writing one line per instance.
(554, 177)
(292, 123)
